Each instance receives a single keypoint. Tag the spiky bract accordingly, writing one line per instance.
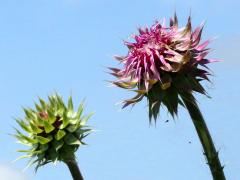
(53, 130)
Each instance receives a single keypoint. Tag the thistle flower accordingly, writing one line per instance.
(166, 65)
(163, 63)
(53, 130)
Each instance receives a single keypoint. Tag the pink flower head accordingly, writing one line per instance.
(162, 63)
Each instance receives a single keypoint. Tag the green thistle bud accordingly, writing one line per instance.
(54, 131)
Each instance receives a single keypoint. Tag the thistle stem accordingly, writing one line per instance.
(74, 169)
(204, 136)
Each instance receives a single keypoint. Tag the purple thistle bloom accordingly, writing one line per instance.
(162, 64)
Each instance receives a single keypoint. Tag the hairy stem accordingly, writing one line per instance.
(204, 136)
(74, 169)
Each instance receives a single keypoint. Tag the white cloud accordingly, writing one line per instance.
(8, 173)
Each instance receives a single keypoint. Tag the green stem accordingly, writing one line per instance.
(204, 136)
(74, 169)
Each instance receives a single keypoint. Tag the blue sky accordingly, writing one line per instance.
(65, 45)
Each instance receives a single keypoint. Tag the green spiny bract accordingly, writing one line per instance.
(54, 131)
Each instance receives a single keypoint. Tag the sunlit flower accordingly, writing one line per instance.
(162, 63)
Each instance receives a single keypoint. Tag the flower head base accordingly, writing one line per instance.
(163, 63)
(54, 131)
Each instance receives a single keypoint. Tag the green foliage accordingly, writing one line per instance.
(53, 130)
(172, 96)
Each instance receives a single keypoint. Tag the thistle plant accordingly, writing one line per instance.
(54, 132)
(165, 65)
